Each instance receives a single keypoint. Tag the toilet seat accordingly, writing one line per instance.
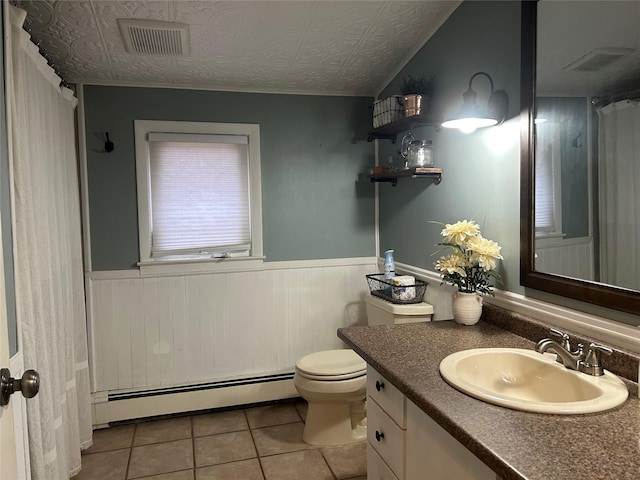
(331, 365)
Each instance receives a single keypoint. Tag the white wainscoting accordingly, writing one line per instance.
(175, 330)
(155, 332)
(571, 258)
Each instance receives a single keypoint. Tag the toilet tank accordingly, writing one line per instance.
(381, 312)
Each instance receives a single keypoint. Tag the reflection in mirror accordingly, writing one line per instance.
(581, 179)
(563, 217)
(587, 91)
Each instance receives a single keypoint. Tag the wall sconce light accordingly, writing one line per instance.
(108, 144)
(472, 116)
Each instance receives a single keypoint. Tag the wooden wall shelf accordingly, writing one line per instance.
(416, 172)
(391, 130)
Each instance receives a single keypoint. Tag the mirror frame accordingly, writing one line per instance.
(591, 292)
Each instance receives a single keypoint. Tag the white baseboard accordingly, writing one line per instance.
(106, 411)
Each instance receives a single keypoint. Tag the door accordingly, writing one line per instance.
(14, 452)
(8, 463)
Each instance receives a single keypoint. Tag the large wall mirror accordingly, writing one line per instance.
(580, 234)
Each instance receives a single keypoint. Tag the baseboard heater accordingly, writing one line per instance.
(200, 386)
(117, 406)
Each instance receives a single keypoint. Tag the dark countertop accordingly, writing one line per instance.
(514, 444)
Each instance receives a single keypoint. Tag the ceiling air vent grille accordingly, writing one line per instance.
(598, 59)
(152, 37)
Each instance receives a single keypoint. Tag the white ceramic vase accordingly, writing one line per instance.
(467, 308)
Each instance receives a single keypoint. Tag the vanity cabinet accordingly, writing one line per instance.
(433, 453)
(404, 443)
(386, 429)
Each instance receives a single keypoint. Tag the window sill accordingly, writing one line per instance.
(204, 265)
(544, 235)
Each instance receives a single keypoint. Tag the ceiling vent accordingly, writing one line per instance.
(152, 37)
(598, 59)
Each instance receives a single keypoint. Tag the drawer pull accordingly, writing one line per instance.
(379, 435)
(379, 385)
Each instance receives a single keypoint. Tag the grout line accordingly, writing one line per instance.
(335, 476)
(253, 439)
(193, 446)
(155, 475)
(133, 436)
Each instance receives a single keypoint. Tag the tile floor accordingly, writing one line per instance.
(258, 443)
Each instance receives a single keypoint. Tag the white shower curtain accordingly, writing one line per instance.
(48, 260)
(619, 193)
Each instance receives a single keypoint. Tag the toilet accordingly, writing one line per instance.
(333, 382)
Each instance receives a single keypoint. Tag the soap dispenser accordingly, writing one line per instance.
(389, 265)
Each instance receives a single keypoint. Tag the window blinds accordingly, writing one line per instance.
(546, 188)
(199, 193)
(544, 204)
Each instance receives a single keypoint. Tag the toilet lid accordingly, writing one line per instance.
(331, 363)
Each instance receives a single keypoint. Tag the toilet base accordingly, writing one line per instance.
(333, 424)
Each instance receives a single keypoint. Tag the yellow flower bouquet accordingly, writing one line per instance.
(472, 260)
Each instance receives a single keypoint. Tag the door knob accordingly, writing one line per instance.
(29, 385)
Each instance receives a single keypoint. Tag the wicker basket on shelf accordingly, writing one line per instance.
(387, 110)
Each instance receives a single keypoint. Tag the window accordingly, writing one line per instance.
(548, 214)
(198, 191)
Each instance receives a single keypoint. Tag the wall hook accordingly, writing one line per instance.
(577, 142)
(108, 145)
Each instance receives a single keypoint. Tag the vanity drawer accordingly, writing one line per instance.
(376, 468)
(387, 438)
(387, 396)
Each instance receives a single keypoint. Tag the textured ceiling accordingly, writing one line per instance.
(338, 47)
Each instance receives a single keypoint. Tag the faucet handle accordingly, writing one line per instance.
(591, 364)
(566, 343)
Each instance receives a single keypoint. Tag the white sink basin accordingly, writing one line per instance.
(527, 380)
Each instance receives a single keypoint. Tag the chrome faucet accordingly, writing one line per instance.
(569, 359)
(591, 364)
(588, 362)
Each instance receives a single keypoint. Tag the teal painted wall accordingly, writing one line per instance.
(316, 204)
(482, 169)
